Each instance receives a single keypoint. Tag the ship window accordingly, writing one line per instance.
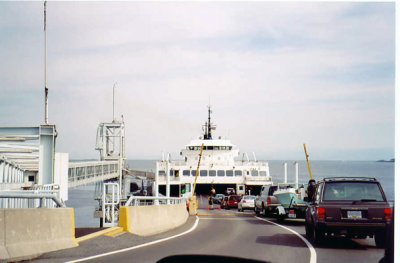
(171, 172)
(193, 172)
(216, 147)
(212, 173)
(209, 147)
(203, 172)
(186, 172)
(263, 173)
(238, 173)
(230, 148)
(254, 173)
(221, 173)
(229, 172)
(161, 173)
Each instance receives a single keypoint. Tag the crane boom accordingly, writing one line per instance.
(308, 164)
(197, 170)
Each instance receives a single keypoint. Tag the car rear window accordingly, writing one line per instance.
(249, 197)
(352, 191)
(234, 197)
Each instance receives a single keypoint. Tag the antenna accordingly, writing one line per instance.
(46, 90)
(114, 101)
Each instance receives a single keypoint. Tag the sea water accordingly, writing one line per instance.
(82, 198)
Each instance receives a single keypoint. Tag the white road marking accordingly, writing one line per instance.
(313, 253)
(139, 246)
(232, 219)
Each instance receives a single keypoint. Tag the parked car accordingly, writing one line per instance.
(230, 201)
(217, 199)
(246, 202)
(353, 207)
(266, 203)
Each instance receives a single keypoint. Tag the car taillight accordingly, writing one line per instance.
(321, 213)
(244, 201)
(268, 200)
(388, 214)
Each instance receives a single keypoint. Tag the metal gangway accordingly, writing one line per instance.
(83, 173)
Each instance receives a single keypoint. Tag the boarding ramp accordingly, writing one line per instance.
(83, 173)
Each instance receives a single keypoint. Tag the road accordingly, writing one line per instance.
(230, 233)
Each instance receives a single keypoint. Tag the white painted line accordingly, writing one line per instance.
(313, 253)
(231, 219)
(138, 246)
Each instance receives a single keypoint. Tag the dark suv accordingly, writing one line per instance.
(354, 207)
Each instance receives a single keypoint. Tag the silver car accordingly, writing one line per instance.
(247, 202)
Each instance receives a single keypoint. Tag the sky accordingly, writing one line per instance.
(277, 75)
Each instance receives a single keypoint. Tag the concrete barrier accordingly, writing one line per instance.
(152, 219)
(26, 233)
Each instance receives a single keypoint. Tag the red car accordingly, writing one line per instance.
(230, 201)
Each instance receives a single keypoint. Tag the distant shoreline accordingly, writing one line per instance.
(386, 161)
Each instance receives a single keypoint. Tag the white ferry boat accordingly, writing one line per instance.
(218, 168)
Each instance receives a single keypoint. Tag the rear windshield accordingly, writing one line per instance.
(351, 191)
(234, 197)
(249, 197)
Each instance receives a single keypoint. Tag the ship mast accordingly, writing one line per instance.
(208, 126)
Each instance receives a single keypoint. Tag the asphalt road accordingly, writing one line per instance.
(225, 233)
(229, 233)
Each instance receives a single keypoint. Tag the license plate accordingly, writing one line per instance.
(292, 214)
(354, 214)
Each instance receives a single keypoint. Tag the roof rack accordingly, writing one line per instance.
(348, 179)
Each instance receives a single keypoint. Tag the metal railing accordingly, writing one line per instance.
(38, 197)
(153, 200)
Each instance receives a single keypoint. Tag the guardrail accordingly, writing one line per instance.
(29, 199)
(39, 196)
(153, 200)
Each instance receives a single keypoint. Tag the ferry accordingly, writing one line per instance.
(220, 168)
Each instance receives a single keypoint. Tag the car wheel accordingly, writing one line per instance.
(308, 230)
(316, 236)
(256, 211)
(380, 239)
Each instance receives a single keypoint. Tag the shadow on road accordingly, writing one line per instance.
(281, 240)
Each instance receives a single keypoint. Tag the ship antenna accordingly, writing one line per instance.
(209, 122)
(46, 90)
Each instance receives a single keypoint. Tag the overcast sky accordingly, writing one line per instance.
(277, 75)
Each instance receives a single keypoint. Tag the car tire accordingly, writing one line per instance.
(256, 211)
(380, 239)
(308, 231)
(316, 236)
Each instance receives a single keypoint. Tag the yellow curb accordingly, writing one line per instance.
(115, 232)
(96, 234)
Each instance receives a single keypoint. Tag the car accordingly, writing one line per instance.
(354, 207)
(230, 191)
(266, 203)
(230, 201)
(217, 199)
(246, 202)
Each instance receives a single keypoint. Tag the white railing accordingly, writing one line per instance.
(39, 196)
(153, 200)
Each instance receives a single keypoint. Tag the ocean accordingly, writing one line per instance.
(82, 198)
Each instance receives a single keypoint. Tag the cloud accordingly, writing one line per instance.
(277, 74)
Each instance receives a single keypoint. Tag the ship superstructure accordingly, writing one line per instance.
(219, 168)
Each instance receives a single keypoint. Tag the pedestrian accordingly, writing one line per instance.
(210, 203)
(311, 190)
